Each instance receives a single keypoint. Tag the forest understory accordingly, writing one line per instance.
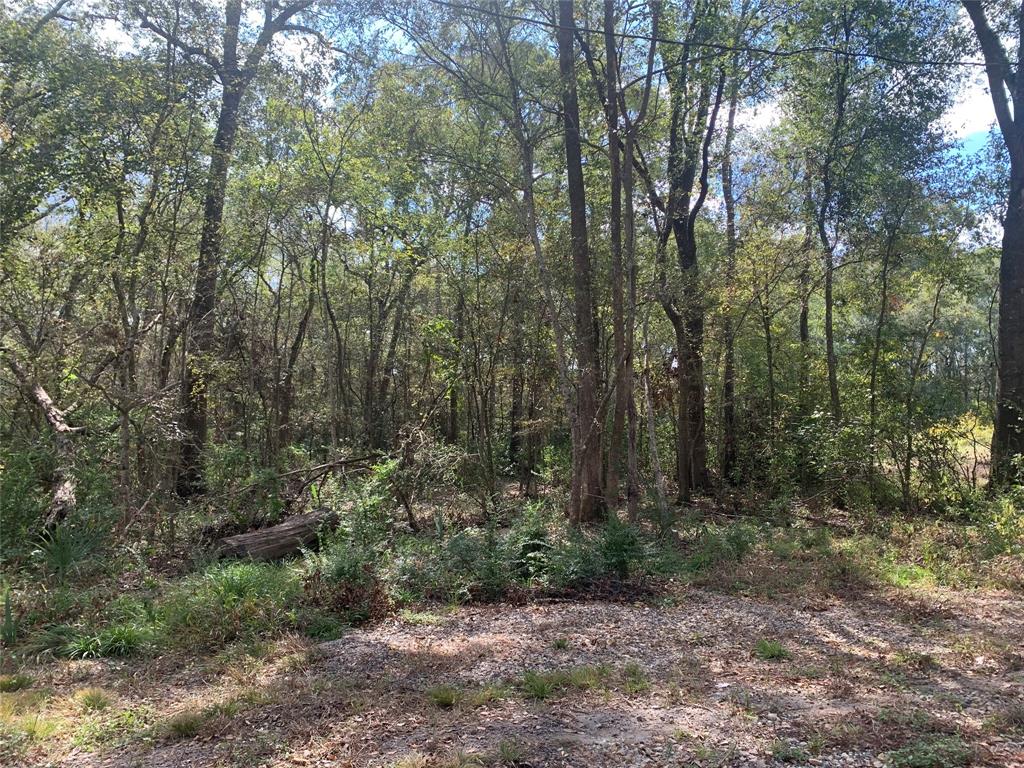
(733, 641)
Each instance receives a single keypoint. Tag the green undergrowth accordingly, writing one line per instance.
(370, 566)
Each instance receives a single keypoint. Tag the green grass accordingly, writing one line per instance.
(15, 682)
(935, 752)
(115, 640)
(93, 699)
(229, 601)
(421, 618)
(770, 650)
(560, 644)
(544, 685)
(787, 752)
(635, 679)
(445, 696)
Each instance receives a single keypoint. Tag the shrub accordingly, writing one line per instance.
(715, 546)
(228, 601)
(66, 547)
(342, 578)
(620, 547)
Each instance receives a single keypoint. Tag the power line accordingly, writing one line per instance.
(720, 47)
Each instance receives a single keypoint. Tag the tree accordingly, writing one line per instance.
(235, 68)
(1008, 100)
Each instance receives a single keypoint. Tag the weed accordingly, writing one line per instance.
(770, 650)
(93, 699)
(445, 696)
(937, 752)
(560, 644)
(16, 682)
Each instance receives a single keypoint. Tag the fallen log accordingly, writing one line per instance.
(279, 540)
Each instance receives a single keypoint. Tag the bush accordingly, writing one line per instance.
(716, 545)
(228, 601)
(342, 578)
(67, 547)
(620, 547)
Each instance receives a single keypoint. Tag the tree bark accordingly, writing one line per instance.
(1007, 92)
(587, 495)
(621, 357)
(729, 441)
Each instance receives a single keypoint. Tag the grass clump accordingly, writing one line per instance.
(93, 699)
(510, 753)
(544, 685)
(115, 640)
(1008, 717)
(936, 752)
(560, 644)
(186, 724)
(229, 601)
(635, 679)
(771, 650)
(15, 682)
(445, 696)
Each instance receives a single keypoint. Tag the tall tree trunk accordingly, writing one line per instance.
(1007, 92)
(728, 460)
(621, 372)
(201, 318)
(587, 495)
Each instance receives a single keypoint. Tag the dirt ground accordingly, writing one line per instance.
(675, 681)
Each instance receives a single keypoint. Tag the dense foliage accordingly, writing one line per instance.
(324, 254)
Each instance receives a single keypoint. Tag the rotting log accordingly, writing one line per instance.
(279, 540)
